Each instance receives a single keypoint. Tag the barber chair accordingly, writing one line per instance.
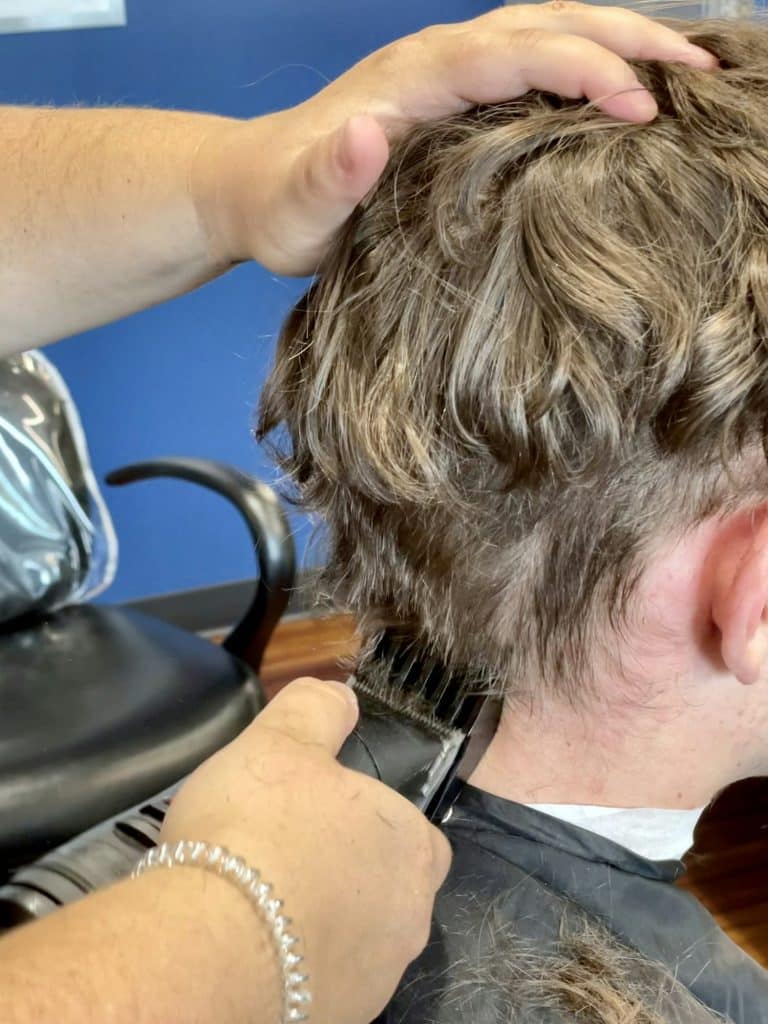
(103, 707)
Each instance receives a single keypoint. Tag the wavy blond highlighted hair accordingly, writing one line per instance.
(540, 345)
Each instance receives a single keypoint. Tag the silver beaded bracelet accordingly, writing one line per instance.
(296, 996)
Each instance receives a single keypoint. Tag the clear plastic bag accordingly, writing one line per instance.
(57, 543)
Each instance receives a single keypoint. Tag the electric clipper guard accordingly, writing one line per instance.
(418, 733)
(422, 729)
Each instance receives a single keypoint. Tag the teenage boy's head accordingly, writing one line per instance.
(529, 391)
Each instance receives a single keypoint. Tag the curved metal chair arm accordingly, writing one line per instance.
(260, 507)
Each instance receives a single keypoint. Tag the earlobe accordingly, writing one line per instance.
(757, 651)
(740, 600)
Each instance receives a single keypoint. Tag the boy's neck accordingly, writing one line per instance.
(562, 756)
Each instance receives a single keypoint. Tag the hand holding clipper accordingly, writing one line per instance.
(374, 856)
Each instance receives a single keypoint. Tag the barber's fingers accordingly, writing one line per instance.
(537, 54)
(420, 887)
(566, 65)
(431, 852)
(627, 33)
(441, 857)
(568, 48)
(311, 712)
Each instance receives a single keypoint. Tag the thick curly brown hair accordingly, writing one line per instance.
(540, 346)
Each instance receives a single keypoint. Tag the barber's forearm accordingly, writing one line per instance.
(97, 216)
(169, 948)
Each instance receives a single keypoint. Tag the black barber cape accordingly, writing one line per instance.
(520, 880)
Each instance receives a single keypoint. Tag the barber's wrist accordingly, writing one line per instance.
(227, 946)
(218, 860)
(229, 182)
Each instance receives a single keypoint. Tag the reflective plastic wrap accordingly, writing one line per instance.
(57, 544)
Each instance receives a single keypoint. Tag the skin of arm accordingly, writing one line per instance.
(105, 212)
(183, 946)
(96, 217)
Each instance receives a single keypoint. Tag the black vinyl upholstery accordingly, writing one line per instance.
(100, 708)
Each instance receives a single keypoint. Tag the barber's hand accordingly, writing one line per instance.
(277, 189)
(356, 865)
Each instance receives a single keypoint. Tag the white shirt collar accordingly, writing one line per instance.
(649, 832)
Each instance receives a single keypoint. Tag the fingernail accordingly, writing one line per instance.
(697, 57)
(644, 104)
(344, 146)
(344, 690)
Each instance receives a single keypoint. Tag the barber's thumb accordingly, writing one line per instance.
(341, 168)
(312, 711)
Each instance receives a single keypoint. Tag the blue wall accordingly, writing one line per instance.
(184, 378)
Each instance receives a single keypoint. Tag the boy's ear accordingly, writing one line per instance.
(740, 596)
